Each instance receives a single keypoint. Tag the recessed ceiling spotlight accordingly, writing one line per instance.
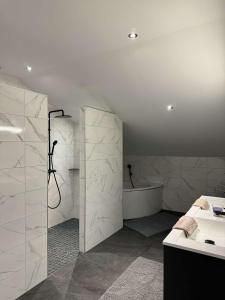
(132, 35)
(170, 107)
(28, 68)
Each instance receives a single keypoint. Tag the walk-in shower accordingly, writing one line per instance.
(51, 169)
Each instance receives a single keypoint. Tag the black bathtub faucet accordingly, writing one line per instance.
(130, 175)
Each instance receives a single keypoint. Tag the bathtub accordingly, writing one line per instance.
(142, 202)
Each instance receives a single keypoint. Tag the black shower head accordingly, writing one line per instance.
(54, 143)
(63, 116)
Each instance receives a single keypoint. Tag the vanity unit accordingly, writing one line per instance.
(193, 268)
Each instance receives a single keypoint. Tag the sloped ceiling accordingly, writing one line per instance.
(80, 55)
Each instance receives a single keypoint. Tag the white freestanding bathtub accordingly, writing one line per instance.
(142, 202)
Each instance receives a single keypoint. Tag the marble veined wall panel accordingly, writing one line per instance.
(23, 190)
(101, 176)
(184, 178)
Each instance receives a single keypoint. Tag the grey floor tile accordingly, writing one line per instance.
(92, 273)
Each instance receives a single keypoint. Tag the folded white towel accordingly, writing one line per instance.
(202, 203)
(187, 224)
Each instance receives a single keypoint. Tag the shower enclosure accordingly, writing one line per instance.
(51, 169)
(63, 190)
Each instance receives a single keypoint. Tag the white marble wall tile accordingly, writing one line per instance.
(13, 234)
(64, 179)
(76, 194)
(36, 248)
(100, 220)
(12, 178)
(170, 166)
(11, 155)
(12, 275)
(184, 178)
(62, 130)
(11, 262)
(36, 177)
(216, 162)
(11, 100)
(194, 162)
(36, 201)
(195, 179)
(216, 182)
(35, 105)
(9, 293)
(35, 154)
(63, 150)
(101, 181)
(23, 212)
(101, 119)
(177, 196)
(12, 207)
(64, 212)
(14, 286)
(11, 128)
(36, 272)
(82, 182)
(36, 225)
(102, 135)
(102, 151)
(149, 165)
(97, 168)
(36, 130)
(76, 133)
(103, 187)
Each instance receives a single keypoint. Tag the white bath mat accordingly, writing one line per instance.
(154, 224)
(142, 280)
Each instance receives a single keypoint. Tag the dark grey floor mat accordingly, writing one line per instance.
(154, 224)
(63, 244)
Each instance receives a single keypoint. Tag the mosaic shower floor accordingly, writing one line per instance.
(63, 244)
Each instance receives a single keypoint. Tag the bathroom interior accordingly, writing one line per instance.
(112, 149)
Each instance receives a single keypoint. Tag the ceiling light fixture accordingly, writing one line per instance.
(132, 35)
(170, 107)
(28, 68)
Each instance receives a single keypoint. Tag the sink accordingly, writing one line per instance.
(198, 213)
(209, 230)
(210, 227)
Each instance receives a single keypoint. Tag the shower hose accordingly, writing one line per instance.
(52, 171)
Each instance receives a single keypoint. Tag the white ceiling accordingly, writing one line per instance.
(80, 55)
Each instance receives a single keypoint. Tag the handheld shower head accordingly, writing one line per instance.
(53, 146)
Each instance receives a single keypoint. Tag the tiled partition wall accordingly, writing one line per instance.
(101, 176)
(23, 190)
(66, 161)
(184, 178)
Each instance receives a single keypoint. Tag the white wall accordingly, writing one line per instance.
(66, 157)
(101, 176)
(23, 190)
(184, 178)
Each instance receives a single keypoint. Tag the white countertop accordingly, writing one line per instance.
(209, 227)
